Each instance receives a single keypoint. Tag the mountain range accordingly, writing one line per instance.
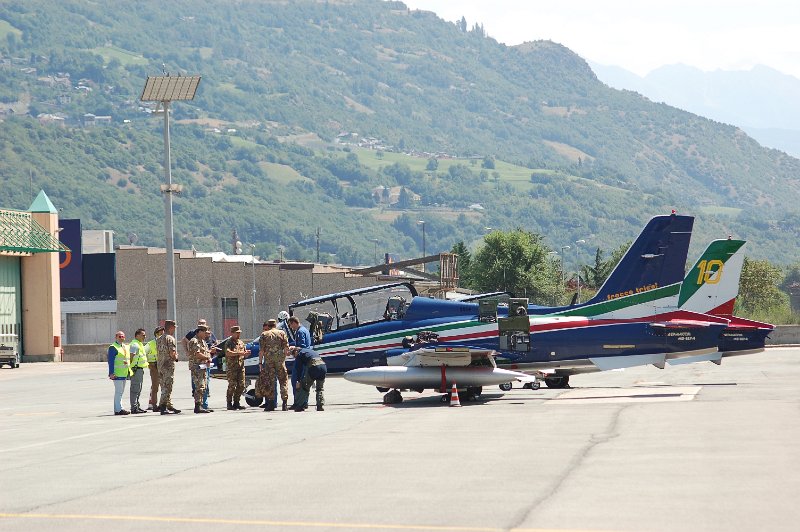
(307, 108)
(762, 101)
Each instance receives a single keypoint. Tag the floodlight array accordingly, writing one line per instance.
(170, 88)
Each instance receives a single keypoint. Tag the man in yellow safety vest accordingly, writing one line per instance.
(119, 370)
(151, 351)
(138, 366)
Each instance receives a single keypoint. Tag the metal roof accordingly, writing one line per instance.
(20, 233)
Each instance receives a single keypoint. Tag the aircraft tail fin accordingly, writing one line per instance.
(711, 286)
(655, 259)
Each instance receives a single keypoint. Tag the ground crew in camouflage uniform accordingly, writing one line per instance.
(152, 361)
(273, 347)
(235, 353)
(167, 349)
(199, 355)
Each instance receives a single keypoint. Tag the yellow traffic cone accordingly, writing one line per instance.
(454, 400)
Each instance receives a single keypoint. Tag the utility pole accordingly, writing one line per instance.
(253, 255)
(318, 229)
(578, 265)
(164, 90)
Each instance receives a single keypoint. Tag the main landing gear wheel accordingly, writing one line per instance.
(251, 399)
(473, 393)
(392, 398)
(536, 385)
(557, 382)
(506, 386)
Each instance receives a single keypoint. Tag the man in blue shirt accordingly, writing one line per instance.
(119, 370)
(310, 368)
(299, 339)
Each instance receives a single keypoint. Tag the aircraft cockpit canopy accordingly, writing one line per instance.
(345, 310)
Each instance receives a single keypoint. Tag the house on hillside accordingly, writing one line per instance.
(391, 195)
(51, 119)
(91, 120)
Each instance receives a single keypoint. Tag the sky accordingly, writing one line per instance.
(643, 35)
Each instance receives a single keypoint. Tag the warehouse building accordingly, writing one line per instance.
(30, 314)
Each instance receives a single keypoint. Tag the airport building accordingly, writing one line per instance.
(29, 281)
(224, 289)
(64, 288)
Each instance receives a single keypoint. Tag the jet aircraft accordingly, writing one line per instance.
(388, 336)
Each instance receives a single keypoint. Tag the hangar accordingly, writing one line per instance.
(30, 319)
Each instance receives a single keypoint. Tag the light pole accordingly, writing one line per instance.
(280, 250)
(563, 249)
(253, 255)
(552, 255)
(375, 241)
(166, 89)
(422, 223)
(578, 265)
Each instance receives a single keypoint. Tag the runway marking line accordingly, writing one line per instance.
(257, 522)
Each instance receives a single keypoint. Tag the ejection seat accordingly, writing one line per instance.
(395, 308)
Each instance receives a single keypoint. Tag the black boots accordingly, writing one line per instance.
(284, 407)
(198, 409)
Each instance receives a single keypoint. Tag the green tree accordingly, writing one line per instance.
(488, 163)
(433, 164)
(515, 261)
(595, 275)
(758, 287)
(404, 200)
(464, 260)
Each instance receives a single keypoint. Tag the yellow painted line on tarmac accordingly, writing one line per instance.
(262, 523)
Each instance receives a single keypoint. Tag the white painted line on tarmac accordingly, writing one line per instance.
(79, 436)
(639, 394)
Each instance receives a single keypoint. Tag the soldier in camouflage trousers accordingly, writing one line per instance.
(235, 353)
(167, 349)
(273, 348)
(199, 355)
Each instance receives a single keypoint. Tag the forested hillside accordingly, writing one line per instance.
(289, 88)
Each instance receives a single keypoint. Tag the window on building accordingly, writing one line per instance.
(230, 314)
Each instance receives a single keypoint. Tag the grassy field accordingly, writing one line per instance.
(731, 212)
(6, 28)
(281, 173)
(517, 176)
(123, 56)
(227, 86)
